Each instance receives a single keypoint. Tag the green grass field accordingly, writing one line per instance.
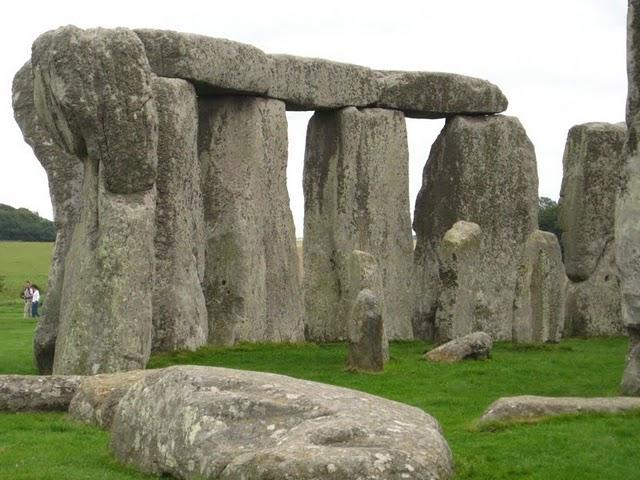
(49, 446)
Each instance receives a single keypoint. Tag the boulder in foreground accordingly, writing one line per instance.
(475, 346)
(206, 422)
(530, 408)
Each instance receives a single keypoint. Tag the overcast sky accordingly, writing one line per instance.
(559, 62)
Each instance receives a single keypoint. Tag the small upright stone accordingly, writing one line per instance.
(475, 346)
(631, 378)
(458, 257)
(366, 334)
(538, 309)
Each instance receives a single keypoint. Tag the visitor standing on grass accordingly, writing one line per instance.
(27, 295)
(35, 298)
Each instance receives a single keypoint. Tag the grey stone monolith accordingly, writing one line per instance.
(356, 198)
(593, 175)
(627, 227)
(481, 170)
(64, 173)
(179, 311)
(538, 309)
(251, 268)
(458, 257)
(92, 93)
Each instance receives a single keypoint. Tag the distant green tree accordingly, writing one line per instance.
(25, 225)
(548, 216)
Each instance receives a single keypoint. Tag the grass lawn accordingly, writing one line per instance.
(48, 446)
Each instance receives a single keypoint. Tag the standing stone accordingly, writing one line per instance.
(366, 334)
(179, 311)
(538, 310)
(481, 170)
(593, 174)
(593, 307)
(64, 172)
(356, 197)
(627, 231)
(458, 256)
(251, 273)
(92, 92)
(365, 274)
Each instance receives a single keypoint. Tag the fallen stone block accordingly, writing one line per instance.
(37, 393)
(530, 408)
(475, 346)
(97, 396)
(210, 423)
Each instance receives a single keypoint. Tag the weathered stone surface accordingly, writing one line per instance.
(538, 309)
(214, 65)
(593, 306)
(33, 393)
(317, 84)
(97, 396)
(530, 408)
(631, 377)
(481, 170)
(179, 311)
(347, 207)
(64, 172)
(627, 229)
(476, 346)
(366, 334)
(593, 174)
(204, 422)
(437, 94)
(364, 273)
(458, 257)
(92, 92)
(251, 276)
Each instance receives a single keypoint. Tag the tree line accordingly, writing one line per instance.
(24, 225)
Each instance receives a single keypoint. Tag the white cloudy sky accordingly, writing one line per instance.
(560, 62)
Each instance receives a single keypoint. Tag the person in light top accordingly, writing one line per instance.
(35, 299)
(27, 294)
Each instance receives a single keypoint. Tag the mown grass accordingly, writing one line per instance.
(48, 446)
(22, 261)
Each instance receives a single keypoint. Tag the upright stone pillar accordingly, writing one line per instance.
(627, 232)
(64, 173)
(593, 167)
(481, 170)
(356, 198)
(251, 278)
(179, 311)
(92, 93)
